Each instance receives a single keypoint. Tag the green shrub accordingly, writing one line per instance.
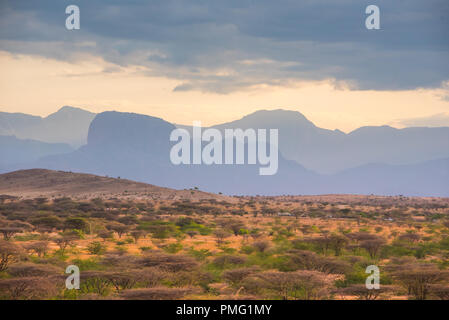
(96, 248)
(27, 237)
(173, 247)
(87, 264)
(199, 255)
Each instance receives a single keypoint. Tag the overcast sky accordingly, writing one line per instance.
(215, 61)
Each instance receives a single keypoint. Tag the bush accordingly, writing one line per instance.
(173, 247)
(228, 260)
(96, 248)
(168, 262)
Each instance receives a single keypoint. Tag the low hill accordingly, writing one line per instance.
(17, 151)
(48, 183)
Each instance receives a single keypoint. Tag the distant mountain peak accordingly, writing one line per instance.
(127, 129)
(373, 129)
(271, 118)
(70, 108)
(278, 113)
(68, 111)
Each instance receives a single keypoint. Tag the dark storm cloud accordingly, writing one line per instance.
(227, 45)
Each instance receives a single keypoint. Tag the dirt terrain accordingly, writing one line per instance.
(48, 183)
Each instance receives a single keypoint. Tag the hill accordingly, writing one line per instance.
(68, 125)
(17, 151)
(48, 183)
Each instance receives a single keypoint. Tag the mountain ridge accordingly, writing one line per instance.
(67, 125)
(137, 147)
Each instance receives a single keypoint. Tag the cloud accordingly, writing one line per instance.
(194, 41)
(444, 91)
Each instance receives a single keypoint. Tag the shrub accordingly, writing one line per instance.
(96, 248)
(227, 260)
(173, 247)
(261, 246)
(9, 253)
(168, 262)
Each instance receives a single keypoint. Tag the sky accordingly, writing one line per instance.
(216, 61)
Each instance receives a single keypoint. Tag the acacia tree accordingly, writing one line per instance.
(322, 243)
(236, 276)
(337, 243)
(419, 278)
(105, 235)
(192, 233)
(308, 260)
(137, 234)
(9, 232)
(123, 280)
(363, 293)
(373, 246)
(47, 223)
(40, 248)
(9, 253)
(28, 288)
(261, 246)
(440, 290)
(233, 225)
(151, 277)
(305, 285)
(409, 237)
(64, 240)
(357, 237)
(77, 224)
(311, 285)
(228, 259)
(220, 236)
(27, 269)
(167, 262)
(119, 228)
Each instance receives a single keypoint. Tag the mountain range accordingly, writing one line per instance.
(370, 160)
(68, 125)
(331, 151)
